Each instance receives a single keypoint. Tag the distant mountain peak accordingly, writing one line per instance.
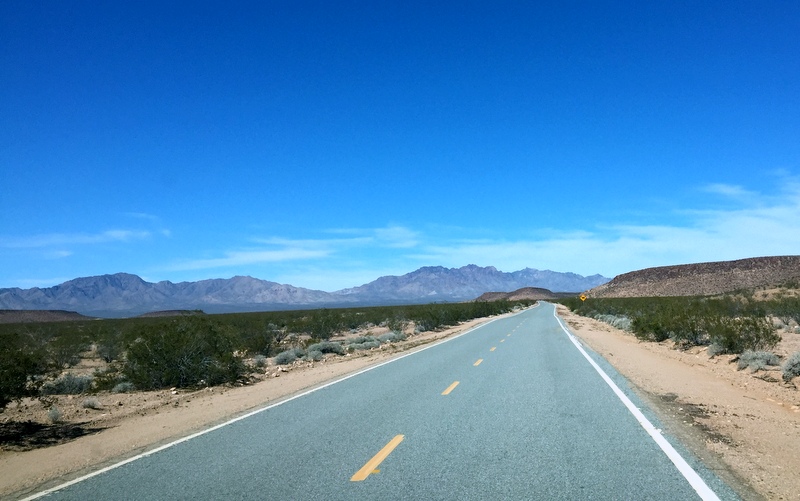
(125, 294)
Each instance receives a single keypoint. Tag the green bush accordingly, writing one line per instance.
(737, 334)
(68, 384)
(65, 351)
(791, 368)
(731, 324)
(21, 361)
(188, 351)
(757, 360)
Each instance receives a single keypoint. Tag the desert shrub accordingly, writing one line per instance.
(737, 334)
(110, 348)
(123, 387)
(91, 403)
(314, 355)
(757, 360)
(714, 349)
(397, 325)
(54, 414)
(650, 329)
(21, 361)
(323, 323)
(791, 368)
(288, 356)
(327, 347)
(621, 322)
(360, 340)
(260, 361)
(188, 351)
(363, 343)
(65, 351)
(105, 379)
(68, 384)
(391, 337)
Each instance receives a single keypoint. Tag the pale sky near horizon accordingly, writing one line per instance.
(325, 144)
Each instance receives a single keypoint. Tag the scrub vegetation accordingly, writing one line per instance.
(195, 350)
(737, 324)
(731, 324)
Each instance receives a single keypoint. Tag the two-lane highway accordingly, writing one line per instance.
(509, 410)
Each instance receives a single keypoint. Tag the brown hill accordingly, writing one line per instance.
(530, 293)
(702, 279)
(26, 316)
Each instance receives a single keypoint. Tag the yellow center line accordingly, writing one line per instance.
(478, 362)
(372, 464)
(450, 388)
(493, 348)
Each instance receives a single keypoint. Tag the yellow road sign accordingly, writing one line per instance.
(583, 297)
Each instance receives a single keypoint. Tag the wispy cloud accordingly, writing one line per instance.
(63, 239)
(339, 249)
(728, 190)
(249, 257)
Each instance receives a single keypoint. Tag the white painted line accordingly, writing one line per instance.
(697, 483)
(252, 413)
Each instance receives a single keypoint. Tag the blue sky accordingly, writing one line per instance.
(324, 144)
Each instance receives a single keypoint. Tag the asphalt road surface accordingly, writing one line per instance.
(510, 410)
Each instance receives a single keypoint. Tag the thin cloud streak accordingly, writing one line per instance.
(242, 258)
(61, 239)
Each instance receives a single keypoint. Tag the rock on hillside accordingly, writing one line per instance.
(703, 278)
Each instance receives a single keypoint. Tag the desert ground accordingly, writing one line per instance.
(745, 426)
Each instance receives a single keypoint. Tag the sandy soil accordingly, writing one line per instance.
(743, 425)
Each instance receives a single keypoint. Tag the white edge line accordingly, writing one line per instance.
(251, 413)
(697, 483)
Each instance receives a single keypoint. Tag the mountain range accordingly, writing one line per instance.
(124, 294)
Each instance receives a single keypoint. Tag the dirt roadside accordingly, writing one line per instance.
(744, 426)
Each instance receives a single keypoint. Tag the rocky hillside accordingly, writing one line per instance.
(702, 278)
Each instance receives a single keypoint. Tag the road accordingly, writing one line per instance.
(509, 410)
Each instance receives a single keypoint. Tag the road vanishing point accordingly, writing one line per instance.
(516, 408)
